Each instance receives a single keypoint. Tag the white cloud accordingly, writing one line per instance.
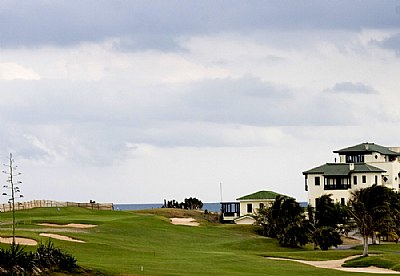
(173, 111)
(13, 71)
(218, 82)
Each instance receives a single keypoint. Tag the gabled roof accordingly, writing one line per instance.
(367, 148)
(342, 169)
(259, 195)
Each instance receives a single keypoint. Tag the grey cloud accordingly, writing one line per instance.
(68, 102)
(246, 100)
(162, 42)
(12, 140)
(249, 101)
(156, 24)
(391, 43)
(352, 88)
(241, 101)
(325, 110)
(92, 122)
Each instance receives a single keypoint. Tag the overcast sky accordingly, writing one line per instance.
(140, 101)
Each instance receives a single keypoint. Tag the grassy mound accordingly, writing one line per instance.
(198, 215)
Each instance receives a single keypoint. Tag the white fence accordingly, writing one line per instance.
(7, 207)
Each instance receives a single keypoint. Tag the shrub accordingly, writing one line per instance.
(16, 261)
(48, 257)
(326, 237)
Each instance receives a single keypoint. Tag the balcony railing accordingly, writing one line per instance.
(337, 187)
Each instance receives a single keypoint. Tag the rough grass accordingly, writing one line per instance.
(146, 243)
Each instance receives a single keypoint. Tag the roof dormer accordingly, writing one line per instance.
(366, 151)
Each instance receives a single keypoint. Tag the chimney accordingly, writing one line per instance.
(351, 166)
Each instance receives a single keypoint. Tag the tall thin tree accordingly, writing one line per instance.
(13, 189)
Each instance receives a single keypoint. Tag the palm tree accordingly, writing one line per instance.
(322, 223)
(370, 208)
(284, 220)
(325, 212)
(290, 222)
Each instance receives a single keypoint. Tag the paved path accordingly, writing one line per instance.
(337, 264)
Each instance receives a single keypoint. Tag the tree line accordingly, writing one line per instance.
(190, 203)
(373, 211)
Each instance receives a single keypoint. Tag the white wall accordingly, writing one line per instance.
(375, 159)
(392, 169)
(255, 205)
(316, 191)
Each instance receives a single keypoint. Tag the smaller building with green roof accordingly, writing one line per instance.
(243, 211)
(260, 195)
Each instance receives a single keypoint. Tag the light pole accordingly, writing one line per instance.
(12, 173)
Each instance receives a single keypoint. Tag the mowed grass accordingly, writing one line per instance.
(146, 243)
(385, 255)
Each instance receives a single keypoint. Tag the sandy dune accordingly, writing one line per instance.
(337, 264)
(26, 241)
(60, 237)
(18, 240)
(185, 221)
(70, 225)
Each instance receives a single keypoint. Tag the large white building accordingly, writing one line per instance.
(359, 166)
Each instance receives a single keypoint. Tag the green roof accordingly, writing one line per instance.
(367, 148)
(341, 169)
(259, 195)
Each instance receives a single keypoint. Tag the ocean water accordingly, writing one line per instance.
(211, 207)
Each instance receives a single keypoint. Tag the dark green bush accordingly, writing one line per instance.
(16, 261)
(327, 236)
(50, 257)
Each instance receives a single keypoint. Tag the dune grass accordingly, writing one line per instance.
(146, 243)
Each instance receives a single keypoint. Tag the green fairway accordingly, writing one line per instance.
(139, 243)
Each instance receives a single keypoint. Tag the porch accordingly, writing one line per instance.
(230, 211)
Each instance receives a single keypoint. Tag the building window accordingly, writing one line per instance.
(355, 180)
(317, 181)
(364, 179)
(337, 183)
(261, 205)
(249, 208)
(342, 201)
(358, 158)
(376, 179)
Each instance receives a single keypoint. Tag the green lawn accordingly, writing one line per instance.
(137, 243)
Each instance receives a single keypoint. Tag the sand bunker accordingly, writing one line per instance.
(185, 221)
(70, 225)
(337, 264)
(60, 237)
(18, 240)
